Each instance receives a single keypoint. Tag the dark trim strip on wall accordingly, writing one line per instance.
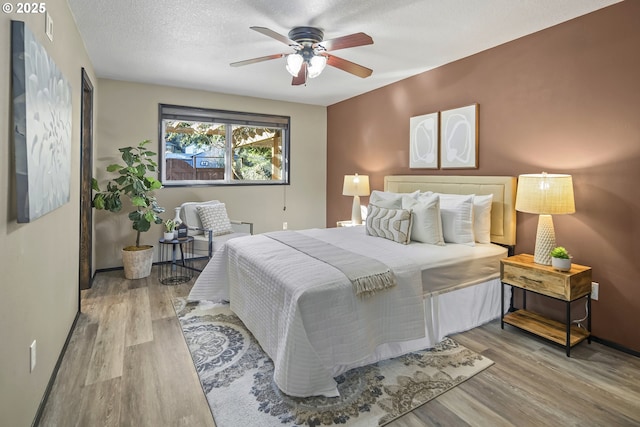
(54, 374)
(615, 346)
(104, 270)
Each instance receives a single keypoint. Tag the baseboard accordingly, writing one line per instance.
(615, 346)
(104, 270)
(54, 374)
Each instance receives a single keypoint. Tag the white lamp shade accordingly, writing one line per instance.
(294, 62)
(316, 65)
(356, 185)
(544, 193)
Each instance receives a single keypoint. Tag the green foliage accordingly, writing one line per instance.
(133, 183)
(253, 163)
(197, 134)
(169, 225)
(560, 252)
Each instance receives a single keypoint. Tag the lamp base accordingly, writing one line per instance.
(545, 240)
(356, 214)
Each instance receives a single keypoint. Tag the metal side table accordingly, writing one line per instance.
(176, 261)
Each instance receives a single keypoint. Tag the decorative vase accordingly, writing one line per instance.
(137, 261)
(177, 221)
(561, 264)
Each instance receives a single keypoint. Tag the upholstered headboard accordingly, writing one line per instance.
(503, 188)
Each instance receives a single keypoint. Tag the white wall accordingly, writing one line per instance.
(128, 114)
(38, 260)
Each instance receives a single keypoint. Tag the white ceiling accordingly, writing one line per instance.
(190, 43)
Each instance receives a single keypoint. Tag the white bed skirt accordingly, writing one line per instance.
(446, 313)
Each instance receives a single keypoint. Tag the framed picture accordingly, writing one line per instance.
(423, 148)
(42, 120)
(459, 141)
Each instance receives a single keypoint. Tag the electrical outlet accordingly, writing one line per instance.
(285, 225)
(32, 355)
(595, 287)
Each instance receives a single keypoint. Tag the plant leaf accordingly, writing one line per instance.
(139, 201)
(98, 201)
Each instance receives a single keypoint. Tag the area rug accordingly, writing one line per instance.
(237, 377)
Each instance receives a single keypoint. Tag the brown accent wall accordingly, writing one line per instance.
(564, 100)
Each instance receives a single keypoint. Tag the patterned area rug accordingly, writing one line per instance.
(237, 377)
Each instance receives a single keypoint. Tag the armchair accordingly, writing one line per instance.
(220, 229)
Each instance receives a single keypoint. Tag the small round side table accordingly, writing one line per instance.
(176, 259)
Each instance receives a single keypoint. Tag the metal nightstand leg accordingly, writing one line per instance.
(502, 305)
(568, 345)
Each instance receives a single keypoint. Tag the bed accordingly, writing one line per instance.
(307, 317)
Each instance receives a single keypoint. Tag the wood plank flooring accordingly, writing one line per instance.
(127, 364)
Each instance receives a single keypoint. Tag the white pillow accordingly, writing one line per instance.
(482, 218)
(426, 223)
(388, 199)
(214, 217)
(457, 218)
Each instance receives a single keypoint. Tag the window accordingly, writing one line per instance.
(215, 147)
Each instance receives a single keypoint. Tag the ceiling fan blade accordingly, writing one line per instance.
(302, 76)
(270, 33)
(254, 60)
(348, 66)
(353, 40)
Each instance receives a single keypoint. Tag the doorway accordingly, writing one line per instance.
(86, 171)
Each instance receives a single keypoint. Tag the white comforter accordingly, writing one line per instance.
(305, 314)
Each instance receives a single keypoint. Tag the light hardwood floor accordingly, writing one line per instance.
(127, 364)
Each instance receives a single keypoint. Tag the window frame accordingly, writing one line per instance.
(229, 119)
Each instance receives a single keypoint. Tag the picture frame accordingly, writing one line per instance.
(42, 127)
(423, 141)
(459, 138)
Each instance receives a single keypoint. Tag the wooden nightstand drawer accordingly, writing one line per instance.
(520, 271)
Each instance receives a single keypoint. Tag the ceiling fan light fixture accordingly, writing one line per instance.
(310, 56)
(316, 65)
(294, 62)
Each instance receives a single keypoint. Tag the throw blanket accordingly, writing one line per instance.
(367, 275)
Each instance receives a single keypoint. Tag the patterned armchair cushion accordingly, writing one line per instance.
(214, 217)
(392, 224)
(189, 215)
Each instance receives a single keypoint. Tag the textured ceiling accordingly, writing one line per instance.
(190, 43)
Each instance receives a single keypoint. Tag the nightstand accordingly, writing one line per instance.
(346, 223)
(520, 271)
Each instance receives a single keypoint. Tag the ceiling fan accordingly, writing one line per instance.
(311, 53)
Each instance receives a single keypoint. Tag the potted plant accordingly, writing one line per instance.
(169, 226)
(560, 259)
(133, 183)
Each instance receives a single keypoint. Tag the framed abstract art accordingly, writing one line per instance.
(423, 148)
(459, 138)
(42, 120)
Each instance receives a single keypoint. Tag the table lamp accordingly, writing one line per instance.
(356, 186)
(545, 194)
